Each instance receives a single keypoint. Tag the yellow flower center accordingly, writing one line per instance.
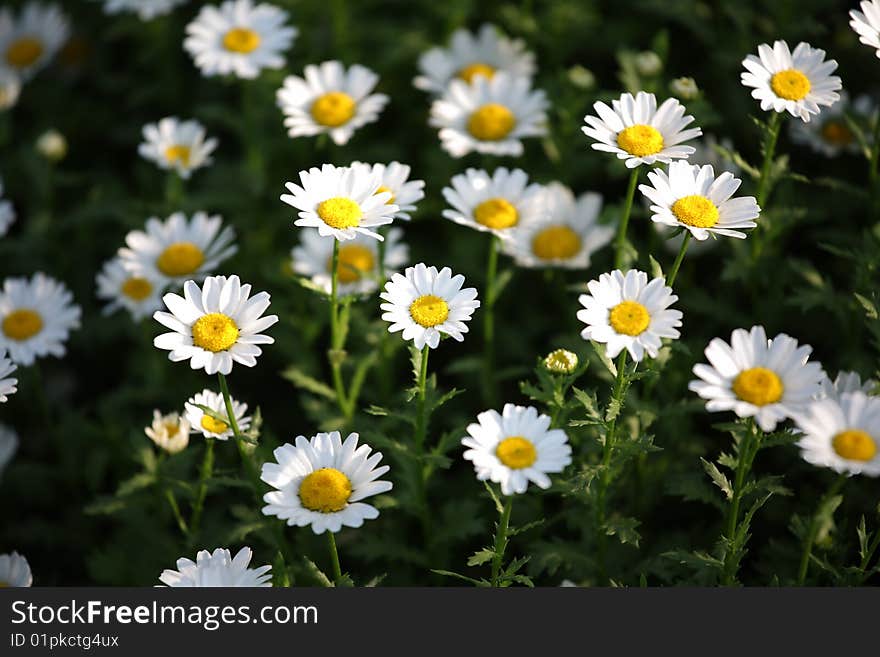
(326, 490)
(333, 109)
(516, 452)
(556, 243)
(23, 52)
(837, 133)
(629, 318)
(855, 445)
(491, 122)
(561, 361)
(22, 324)
(382, 189)
(137, 288)
(213, 425)
(469, 72)
(640, 140)
(340, 212)
(172, 428)
(178, 153)
(180, 259)
(790, 84)
(241, 39)
(496, 213)
(695, 210)
(429, 310)
(355, 260)
(758, 386)
(214, 332)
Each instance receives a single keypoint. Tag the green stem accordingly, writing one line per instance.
(336, 347)
(747, 453)
(678, 259)
(769, 152)
(334, 557)
(421, 420)
(173, 190)
(813, 529)
(620, 242)
(175, 509)
(872, 163)
(501, 540)
(489, 324)
(250, 105)
(204, 477)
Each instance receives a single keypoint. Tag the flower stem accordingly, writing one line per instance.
(747, 452)
(204, 477)
(872, 163)
(334, 557)
(489, 324)
(813, 529)
(620, 242)
(501, 540)
(675, 265)
(336, 347)
(769, 151)
(173, 191)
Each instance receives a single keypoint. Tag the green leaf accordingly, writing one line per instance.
(656, 269)
(625, 529)
(718, 478)
(868, 306)
(499, 505)
(449, 573)
(481, 556)
(302, 380)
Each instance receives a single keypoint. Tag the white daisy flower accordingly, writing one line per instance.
(405, 193)
(137, 294)
(8, 445)
(831, 135)
(358, 261)
(425, 304)
(322, 481)
(28, 42)
(8, 386)
(7, 213)
(866, 23)
(178, 145)
(496, 204)
(178, 249)
(844, 384)
(169, 432)
(36, 317)
(692, 197)
(210, 427)
(516, 447)
(218, 568)
(215, 325)
(146, 10)
(239, 38)
(330, 99)
(842, 434)
(10, 88)
(769, 380)
(625, 311)
(797, 82)
(566, 237)
(14, 571)
(469, 56)
(639, 132)
(489, 116)
(341, 202)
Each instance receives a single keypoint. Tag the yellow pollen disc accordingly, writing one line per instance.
(491, 122)
(468, 73)
(178, 153)
(629, 318)
(516, 452)
(241, 39)
(23, 52)
(340, 212)
(496, 213)
(22, 324)
(214, 332)
(333, 109)
(855, 445)
(137, 288)
(836, 133)
(758, 386)
(382, 189)
(180, 259)
(212, 425)
(355, 260)
(326, 490)
(695, 210)
(790, 84)
(429, 310)
(174, 427)
(640, 140)
(556, 243)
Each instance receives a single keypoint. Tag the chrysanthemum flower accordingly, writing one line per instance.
(7, 385)
(322, 481)
(496, 204)
(7, 213)
(239, 38)
(831, 134)
(10, 88)
(769, 380)
(210, 427)
(218, 568)
(489, 116)
(178, 145)
(842, 434)
(469, 56)
(394, 177)
(797, 82)
(639, 132)
(330, 99)
(566, 236)
(425, 304)
(516, 447)
(215, 325)
(146, 9)
(28, 42)
(169, 432)
(692, 197)
(561, 361)
(14, 571)
(341, 202)
(358, 261)
(8, 445)
(137, 294)
(178, 249)
(626, 311)
(845, 383)
(866, 23)
(36, 317)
